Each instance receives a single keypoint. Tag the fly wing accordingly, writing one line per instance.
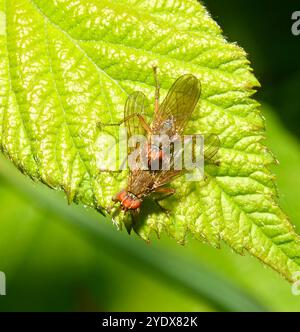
(136, 104)
(140, 182)
(211, 146)
(178, 106)
(171, 169)
(163, 177)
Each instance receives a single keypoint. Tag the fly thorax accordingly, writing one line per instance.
(132, 196)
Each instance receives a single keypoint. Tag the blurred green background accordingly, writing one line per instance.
(60, 258)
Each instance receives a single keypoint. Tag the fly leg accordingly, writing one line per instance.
(167, 192)
(213, 162)
(107, 170)
(157, 90)
(142, 120)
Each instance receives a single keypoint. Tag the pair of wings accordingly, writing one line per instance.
(177, 107)
(175, 110)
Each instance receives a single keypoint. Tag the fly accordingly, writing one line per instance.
(169, 119)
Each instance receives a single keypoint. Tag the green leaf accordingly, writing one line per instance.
(65, 65)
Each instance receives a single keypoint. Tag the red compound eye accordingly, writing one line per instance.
(128, 200)
(120, 196)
